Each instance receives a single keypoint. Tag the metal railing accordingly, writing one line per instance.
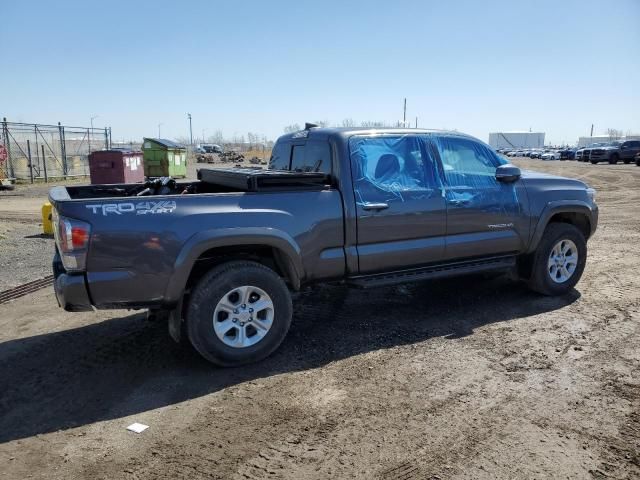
(38, 151)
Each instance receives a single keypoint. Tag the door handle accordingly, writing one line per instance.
(458, 203)
(375, 206)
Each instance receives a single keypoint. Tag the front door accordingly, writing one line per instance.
(484, 216)
(401, 210)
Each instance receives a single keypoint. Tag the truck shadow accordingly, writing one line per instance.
(128, 365)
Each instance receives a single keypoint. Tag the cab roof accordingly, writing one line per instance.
(346, 132)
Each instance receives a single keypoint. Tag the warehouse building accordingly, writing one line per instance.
(585, 141)
(516, 140)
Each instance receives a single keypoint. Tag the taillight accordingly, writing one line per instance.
(72, 238)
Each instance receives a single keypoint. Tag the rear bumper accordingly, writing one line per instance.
(71, 290)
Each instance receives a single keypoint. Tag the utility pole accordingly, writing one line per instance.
(404, 115)
(591, 131)
(159, 125)
(190, 129)
(416, 122)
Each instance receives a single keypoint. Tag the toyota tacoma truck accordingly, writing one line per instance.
(220, 257)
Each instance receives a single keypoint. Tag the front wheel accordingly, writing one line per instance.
(559, 260)
(238, 313)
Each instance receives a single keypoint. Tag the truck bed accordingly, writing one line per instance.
(210, 180)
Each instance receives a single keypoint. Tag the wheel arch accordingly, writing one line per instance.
(580, 215)
(203, 251)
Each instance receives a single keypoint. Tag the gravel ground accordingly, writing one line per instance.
(468, 378)
(25, 253)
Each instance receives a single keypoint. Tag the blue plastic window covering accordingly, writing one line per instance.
(388, 168)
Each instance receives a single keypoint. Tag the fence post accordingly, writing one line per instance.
(44, 164)
(35, 132)
(30, 162)
(63, 151)
(106, 139)
(7, 145)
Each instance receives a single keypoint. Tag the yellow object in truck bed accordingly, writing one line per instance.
(47, 225)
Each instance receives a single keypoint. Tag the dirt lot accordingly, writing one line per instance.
(467, 378)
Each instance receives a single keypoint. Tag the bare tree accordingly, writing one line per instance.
(614, 133)
(372, 124)
(218, 138)
(294, 127)
(322, 123)
(348, 122)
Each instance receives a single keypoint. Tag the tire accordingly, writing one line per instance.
(613, 159)
(593, 162)
(225, 282)
(627, 161)
(541, 277)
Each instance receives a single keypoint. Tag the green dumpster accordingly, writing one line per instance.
(164, 158)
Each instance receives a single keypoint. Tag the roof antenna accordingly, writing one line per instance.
(309, 126)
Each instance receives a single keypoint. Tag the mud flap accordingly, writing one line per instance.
(176, 324)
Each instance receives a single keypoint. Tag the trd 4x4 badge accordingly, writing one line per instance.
(142, 208)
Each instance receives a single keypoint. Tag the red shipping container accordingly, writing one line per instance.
(116, 166)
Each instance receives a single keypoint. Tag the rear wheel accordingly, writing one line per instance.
(559, 260)
(613, 159)
(238, 313)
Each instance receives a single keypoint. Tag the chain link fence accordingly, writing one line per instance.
(43, 152)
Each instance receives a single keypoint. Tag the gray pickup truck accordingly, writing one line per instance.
(219, 257)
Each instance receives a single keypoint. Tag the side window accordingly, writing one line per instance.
(392, 167)
(466, 162)
(280, 156)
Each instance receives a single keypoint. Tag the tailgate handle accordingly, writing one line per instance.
(375, 206)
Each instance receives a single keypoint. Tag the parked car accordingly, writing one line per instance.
(628, 150)
(609, 152)
(583, 153)
(211, 148)
(218, 258)
(568, 154)
(550, 155)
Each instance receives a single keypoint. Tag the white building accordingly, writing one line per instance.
(516, 140)
(585, 141)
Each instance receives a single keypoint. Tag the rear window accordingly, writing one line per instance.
(314, 156)
(280, 157)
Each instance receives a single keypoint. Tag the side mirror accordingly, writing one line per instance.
(507, 173)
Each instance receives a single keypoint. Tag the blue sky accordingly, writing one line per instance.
(239, 66)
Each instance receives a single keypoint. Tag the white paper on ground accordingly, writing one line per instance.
(137, 427)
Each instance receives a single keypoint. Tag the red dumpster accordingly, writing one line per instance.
(116, 166)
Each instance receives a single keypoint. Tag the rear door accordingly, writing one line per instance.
(401, 212)
(484, 216)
